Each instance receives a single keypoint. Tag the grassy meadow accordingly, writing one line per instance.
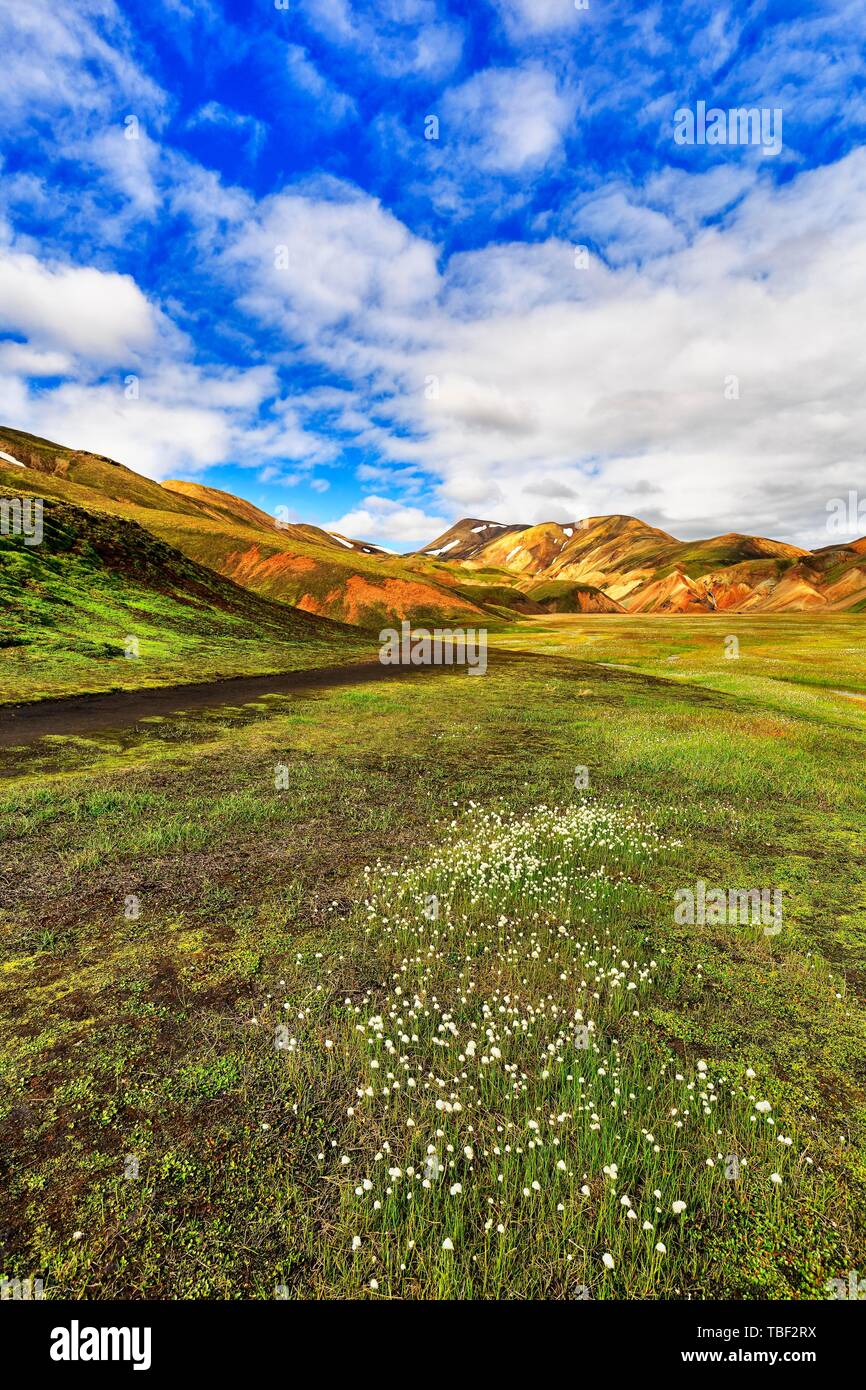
(105, 606)
(370, 993)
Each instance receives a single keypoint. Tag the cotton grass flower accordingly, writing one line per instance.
(607, 1260)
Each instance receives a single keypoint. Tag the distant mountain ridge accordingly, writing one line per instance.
(478, 570)
(642, 569)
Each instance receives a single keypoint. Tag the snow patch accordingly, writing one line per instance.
(9, 459)
(513, 552)
(347, 544)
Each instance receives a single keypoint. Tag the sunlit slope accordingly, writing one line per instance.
(101, 603)
(293, 564)
(646, 570)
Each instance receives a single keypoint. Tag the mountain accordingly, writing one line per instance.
(477, 572)
(466, 539)
(304, 566)
(101, 603)
(645, 570)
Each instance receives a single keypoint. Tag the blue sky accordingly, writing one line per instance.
(229, 251)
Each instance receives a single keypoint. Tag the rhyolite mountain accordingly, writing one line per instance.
(478, 570)
(641, 569)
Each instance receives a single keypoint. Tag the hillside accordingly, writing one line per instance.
(304, 566)
(646, 570)
(100, 586)
(476, 572)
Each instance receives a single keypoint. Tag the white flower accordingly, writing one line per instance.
(468, 1152)
(455, 1188)
(374, 1283)
(447, 1243)
(661, 1249)
(607, 1260)
(775, 1177)
(751, 1074)
(677, 1207)
(763, 1107)
(356, 1242)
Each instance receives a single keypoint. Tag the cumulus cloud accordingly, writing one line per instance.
(98, 314)
(317, 257)
(381, 518)
(530, 17)
(507, 120)
(715, 387)
(399, 37)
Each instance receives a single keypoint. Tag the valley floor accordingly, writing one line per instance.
(354, 992)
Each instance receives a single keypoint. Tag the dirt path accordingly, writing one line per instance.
(84, 714)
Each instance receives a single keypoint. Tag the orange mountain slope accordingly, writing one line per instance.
(476, 570)
(645, 570)
(303, 566)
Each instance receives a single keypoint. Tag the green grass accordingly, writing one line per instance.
(97, 588)
(157, 1036)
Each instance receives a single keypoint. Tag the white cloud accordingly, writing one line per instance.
(22, 359)
(508, 119)
(214, 113)
(73, 60)
(400, 37)
(617, 399)
(530, 17)
(98, 314)
(625, 230)
(130, 166)
(183, 420)
(380, 518)
(311, 259)
(330, 102)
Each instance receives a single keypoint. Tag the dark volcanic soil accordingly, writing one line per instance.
(83, 714)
